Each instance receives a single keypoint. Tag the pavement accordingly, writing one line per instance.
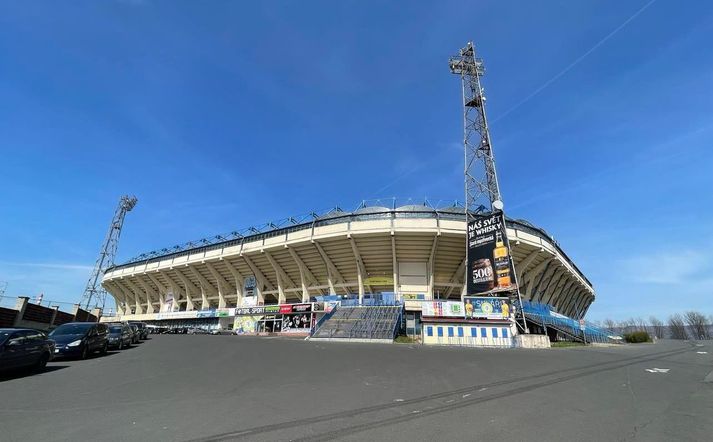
(214, 388)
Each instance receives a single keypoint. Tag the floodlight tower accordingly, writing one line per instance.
(482, 192)
(94, 292)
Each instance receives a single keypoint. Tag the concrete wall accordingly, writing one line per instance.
(26, 315)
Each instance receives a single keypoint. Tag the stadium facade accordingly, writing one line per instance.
(415, 252)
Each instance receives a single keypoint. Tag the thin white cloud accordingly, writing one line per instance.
(46, 265)
(573, 64)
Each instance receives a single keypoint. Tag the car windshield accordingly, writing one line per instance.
(3, 336)
(115, 329)
(71, 329)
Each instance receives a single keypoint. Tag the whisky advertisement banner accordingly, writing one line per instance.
(490, 269)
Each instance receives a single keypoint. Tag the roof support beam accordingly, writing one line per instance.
(190, 290)
(262, 282)
(549, 270)
(456, 277)
(239, 282)
(120, 297)
(162, 290)
(147, 290)
(333, 274)
(555, 276)
(138, 307)
(178, 292)
(530, 275)
(431, 272)
(522, 266)
(395, 264)
(224, 287)
(305, 275)
(559, 285)
(361, 270)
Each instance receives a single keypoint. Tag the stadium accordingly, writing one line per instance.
(407, 254)
(377, 271)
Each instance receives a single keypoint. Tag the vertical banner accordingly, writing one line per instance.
(490, 268)
(168, 303)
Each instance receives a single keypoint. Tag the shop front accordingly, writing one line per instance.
(284, 319)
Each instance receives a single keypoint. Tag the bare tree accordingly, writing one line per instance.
(640, 324)
(610, 325)
(657, 327)
(677, 327)
(698, 324)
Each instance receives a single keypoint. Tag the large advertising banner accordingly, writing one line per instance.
(246, 325)
(448, 309)
(297, 323)
(490, 268)
(485, 307)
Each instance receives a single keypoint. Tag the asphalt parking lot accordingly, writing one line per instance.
(184, 387)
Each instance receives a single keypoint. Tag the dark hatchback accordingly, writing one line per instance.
(120, 336)
(80, 339)
(24, 348)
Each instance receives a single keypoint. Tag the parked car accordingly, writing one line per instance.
(197, 331)
(135, 333)
(143, 330)
(120, 336)
(24, 348)
(80, 339)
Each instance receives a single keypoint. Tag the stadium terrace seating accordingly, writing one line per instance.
(545, 316)
(361, 322)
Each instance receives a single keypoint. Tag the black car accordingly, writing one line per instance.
(80, 339)
(143, 330)
(135, 333)
(24, 348)
(119, 336)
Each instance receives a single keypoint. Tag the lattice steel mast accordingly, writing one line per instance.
(482, 192)
(94, 290)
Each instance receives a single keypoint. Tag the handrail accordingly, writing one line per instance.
(323, 319)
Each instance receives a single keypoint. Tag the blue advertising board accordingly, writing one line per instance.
(485, 307)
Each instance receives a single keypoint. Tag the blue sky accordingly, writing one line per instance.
(602, 127)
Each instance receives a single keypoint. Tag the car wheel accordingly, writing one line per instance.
(105, 348)
(42, 362)
(85, 352)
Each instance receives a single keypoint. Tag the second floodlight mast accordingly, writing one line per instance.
(482, 192)
(94, 292)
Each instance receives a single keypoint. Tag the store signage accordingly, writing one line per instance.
(490, 268)
(258, 310)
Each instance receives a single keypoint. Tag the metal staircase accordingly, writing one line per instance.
(543, 316)
(378, 323)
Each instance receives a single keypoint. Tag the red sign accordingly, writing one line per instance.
(286, 308)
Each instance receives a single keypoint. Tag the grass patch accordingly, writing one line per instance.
(566, 344)
(405, 340)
